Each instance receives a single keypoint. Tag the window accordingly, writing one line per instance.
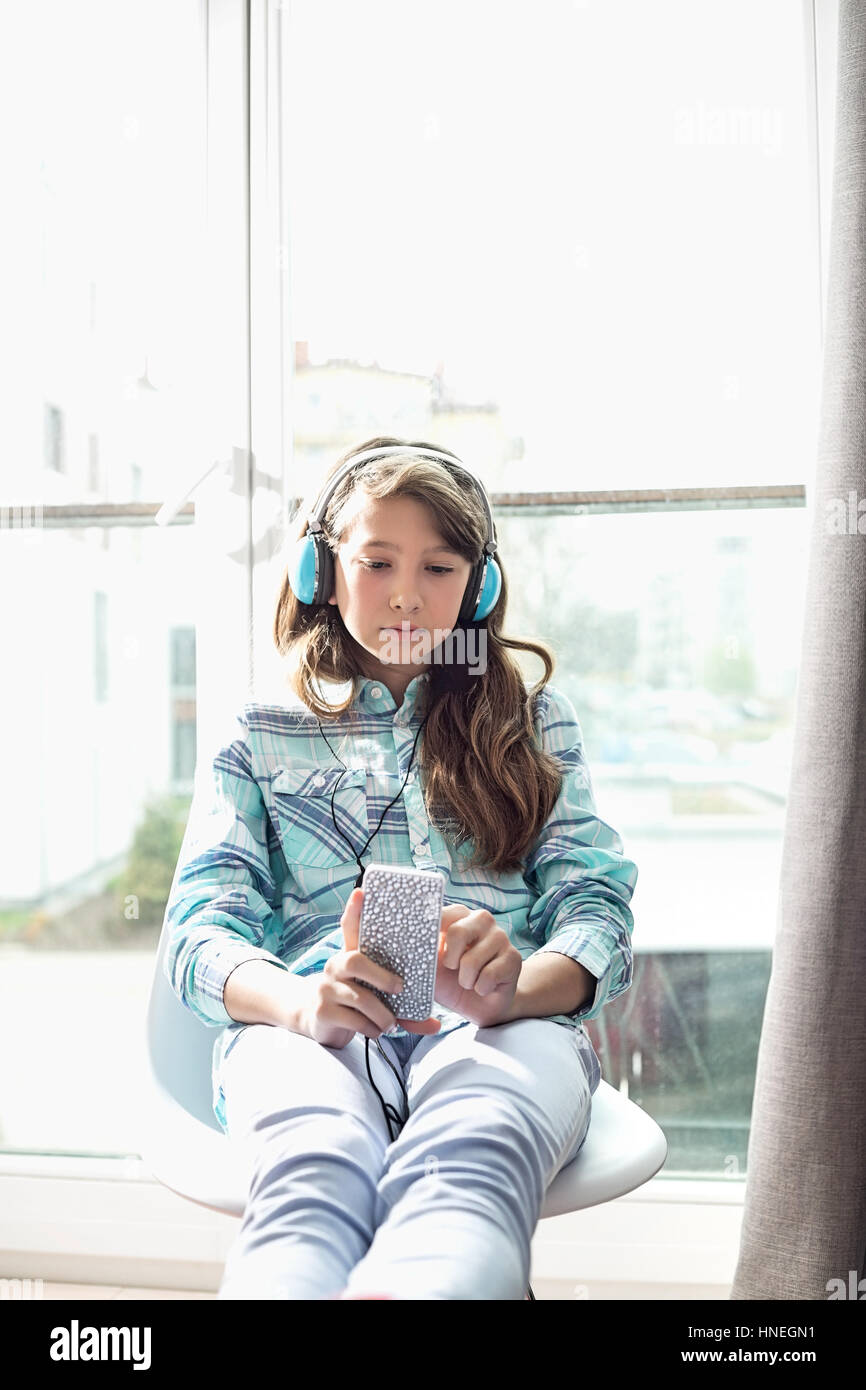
(108, 185)
(183, 708)
(54, 455)
(598, 280)
(100, 647)
(94, 477)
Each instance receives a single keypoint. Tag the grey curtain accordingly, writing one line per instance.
(805, 1212)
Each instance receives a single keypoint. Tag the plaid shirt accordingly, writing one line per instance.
(263, 874)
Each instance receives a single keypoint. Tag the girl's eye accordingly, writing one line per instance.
(375, 564)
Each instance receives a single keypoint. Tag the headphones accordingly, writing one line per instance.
(311, 561)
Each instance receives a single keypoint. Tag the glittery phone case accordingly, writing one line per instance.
(399, 928)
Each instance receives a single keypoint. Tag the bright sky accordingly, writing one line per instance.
(596, 213)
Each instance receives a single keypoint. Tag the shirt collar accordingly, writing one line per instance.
(375, 696)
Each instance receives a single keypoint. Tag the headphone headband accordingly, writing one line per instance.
(315, 517)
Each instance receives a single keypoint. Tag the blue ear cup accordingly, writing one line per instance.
(303, 569)
(490, 591)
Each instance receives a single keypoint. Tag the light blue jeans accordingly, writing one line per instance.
(448, 1209)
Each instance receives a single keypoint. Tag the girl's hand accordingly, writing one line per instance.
(339, 1007)
(478, 968)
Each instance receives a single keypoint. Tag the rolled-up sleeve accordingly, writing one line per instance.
(578, 869)
(223, 905)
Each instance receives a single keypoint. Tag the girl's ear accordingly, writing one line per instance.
(333, 598)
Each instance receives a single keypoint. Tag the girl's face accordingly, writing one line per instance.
(393, 572)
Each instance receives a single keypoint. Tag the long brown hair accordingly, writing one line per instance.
(486, 779)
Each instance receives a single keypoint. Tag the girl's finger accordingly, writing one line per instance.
(457, 938)
(367, 1005)
(354, 899)
(422, 1025)
(474, 961)
(351, 919)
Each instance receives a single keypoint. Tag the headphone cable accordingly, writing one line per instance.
(389, 1111)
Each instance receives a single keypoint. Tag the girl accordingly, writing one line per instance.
(415, 1168)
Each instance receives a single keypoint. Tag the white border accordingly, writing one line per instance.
(108, 1221)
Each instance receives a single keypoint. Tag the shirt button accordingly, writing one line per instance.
(376, 691)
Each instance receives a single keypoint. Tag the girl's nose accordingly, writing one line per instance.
(405, 606)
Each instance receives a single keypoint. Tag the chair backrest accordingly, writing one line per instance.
(179, 1046)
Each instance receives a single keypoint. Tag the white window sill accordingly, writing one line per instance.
(108, 1221)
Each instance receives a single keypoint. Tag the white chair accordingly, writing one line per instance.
(187, 1151)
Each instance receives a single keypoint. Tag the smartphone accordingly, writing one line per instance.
(400, 918)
